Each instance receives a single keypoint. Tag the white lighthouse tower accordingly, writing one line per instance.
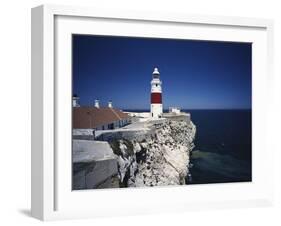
(156, 107)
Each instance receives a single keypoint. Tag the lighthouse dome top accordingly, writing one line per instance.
(156, 71)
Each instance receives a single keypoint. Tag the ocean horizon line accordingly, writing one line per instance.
(182, 109)
(191, 109)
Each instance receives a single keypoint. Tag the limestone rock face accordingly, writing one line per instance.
(160, 159)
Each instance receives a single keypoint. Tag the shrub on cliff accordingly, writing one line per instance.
(119, 149)
(115, 145)
(130, 147)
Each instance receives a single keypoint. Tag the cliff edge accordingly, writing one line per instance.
(159, 158)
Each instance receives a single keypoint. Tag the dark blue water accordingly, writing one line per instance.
(223, 147)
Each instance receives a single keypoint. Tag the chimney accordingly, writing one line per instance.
(110, 104)
(97, 103)
(75, 101)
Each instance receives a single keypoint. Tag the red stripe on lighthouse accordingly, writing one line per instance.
(156, 98)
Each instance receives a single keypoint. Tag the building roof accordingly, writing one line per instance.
(92, 117)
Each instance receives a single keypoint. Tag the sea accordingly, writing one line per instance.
(223, 146)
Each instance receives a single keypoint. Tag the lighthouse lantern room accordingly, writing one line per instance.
(156, 107)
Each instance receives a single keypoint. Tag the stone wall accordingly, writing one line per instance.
(93, 174)
(93, 163)
(178, 117)
(138, 135)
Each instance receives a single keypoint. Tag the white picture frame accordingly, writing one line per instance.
(52, 197)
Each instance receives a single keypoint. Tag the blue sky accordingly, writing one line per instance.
(195, 74)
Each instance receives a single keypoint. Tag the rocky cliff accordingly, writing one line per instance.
(160, 158)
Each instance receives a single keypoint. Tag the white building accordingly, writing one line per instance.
(175, 110)
(75, 101)
(156, 107)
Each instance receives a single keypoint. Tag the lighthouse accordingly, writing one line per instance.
(156, 107)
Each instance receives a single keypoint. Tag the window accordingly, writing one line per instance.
(110, 126)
